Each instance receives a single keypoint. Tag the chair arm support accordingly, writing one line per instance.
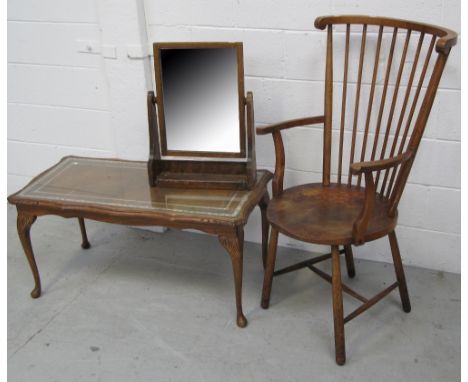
(360, 224)
(367, 168)
(278, 176)
(377, 165)
(275, 130)
(290, 123)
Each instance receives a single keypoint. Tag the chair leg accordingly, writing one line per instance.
(84, 243)
(337, 297)
(349, 261)
(400, 273)
(263, 204)
(270, 268)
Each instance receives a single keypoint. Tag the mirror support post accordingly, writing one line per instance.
(154, 150)
(251, 159)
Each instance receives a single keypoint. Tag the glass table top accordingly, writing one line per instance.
(124, 184)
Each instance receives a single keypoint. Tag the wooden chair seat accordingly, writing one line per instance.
(325, 214)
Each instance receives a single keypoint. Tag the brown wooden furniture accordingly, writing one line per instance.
(382, 147)
(201, 84)
(117, 191)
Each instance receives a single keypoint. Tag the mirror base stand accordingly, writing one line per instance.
(210, 175)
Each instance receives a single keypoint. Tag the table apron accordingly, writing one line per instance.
(205, 224)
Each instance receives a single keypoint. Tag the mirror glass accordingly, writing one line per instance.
(200, 96)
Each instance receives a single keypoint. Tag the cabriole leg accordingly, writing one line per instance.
(84, 243)
(400, 273)
(234, 244)
(24, 223)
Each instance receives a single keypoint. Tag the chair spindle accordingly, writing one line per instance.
(384, 94)
(371, 99)
(343, 102)
(328, 108)
(358, 93)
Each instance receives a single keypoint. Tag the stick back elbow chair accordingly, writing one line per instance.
(405, 60)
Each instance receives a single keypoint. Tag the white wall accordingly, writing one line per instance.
(64, 99)
(57, 97)
(101, 108)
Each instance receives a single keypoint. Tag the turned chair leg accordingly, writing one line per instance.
(23, 223)
(270, 268)
(400, 273)
(349, 261)
(337, 297)
(263, 204)
(84, 243)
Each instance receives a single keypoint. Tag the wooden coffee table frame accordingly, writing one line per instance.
(230, 232)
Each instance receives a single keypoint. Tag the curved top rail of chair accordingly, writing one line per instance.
(447, 37)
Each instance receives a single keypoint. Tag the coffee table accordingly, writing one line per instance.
(117, 191)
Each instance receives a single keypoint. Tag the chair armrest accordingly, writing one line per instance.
(290, 123)
(377, 165)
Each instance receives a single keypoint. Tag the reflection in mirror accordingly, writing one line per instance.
(201, 99)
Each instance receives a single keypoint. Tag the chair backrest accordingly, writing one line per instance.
(381, 78)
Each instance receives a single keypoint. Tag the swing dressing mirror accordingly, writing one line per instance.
(199, 136)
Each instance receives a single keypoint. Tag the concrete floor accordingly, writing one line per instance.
(142, 306)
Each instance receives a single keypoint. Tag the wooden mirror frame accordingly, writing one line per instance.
(199, 169)
(157, 48)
